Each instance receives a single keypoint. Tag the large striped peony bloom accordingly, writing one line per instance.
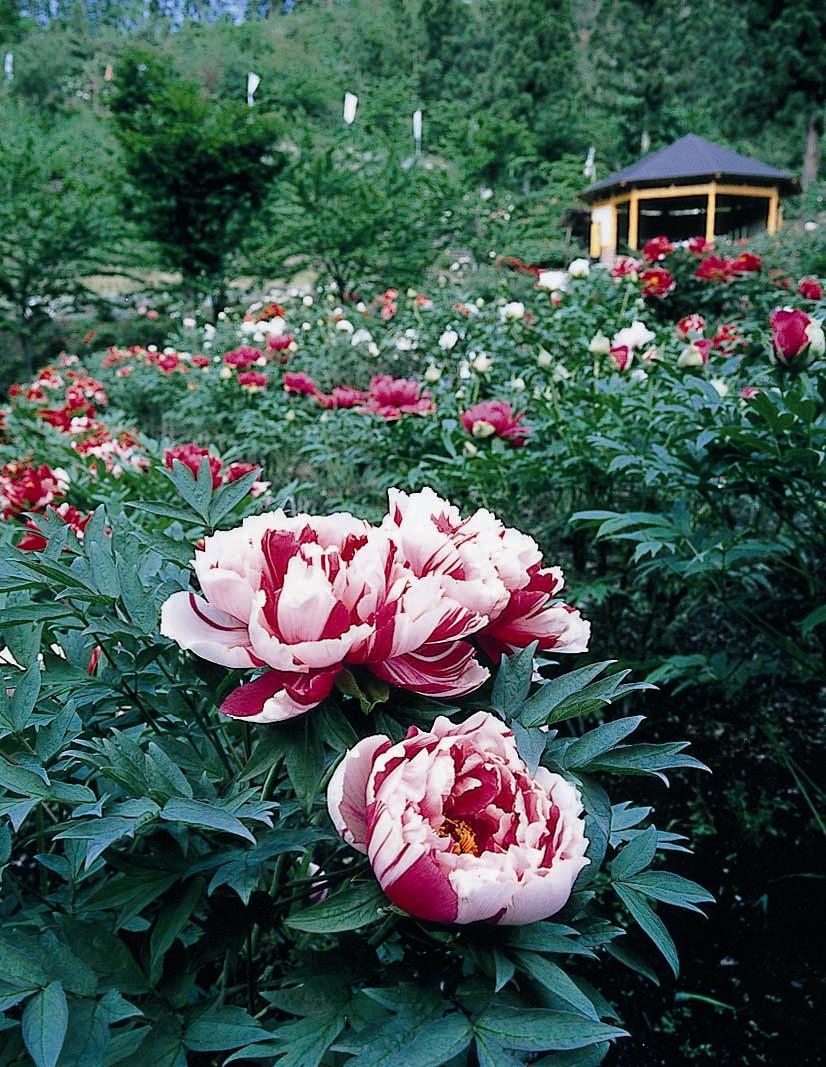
(454, 826)
(302, 596)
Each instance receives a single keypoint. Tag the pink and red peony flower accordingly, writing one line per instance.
(191, 455)
(691, 326)
(457, 830)
(656, 282)
(296, 381)
(746, 263)
(243, 357)
(698, 246)
(496, 418)
(714, 269)
(342, 396)
(625, 267)
(622, 355)
(253, 380)
(796, 337)
(391, 398)
(27, 488)
(656, 249)
(810, 289)
(304, 597)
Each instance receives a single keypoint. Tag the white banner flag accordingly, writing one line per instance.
(351, 102)
(590, 169)
(417, 129)
(8, 66)
(253, 81)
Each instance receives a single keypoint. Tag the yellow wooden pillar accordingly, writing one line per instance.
(711, 210)
(773, 223)
(596, 240)
(634, 219)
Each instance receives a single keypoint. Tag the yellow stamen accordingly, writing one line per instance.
(464, 839)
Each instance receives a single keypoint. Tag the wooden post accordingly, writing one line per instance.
(711, 209)
(596, 242)
(773, 222)
(634, 220)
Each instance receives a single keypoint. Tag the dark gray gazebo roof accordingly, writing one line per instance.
(692, 158)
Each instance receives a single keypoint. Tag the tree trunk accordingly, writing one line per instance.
(26, 351)
(811, 157)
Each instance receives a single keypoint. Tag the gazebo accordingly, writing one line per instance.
(691, 187)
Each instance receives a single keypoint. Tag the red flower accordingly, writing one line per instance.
(691, 325)
(393, 397)
(26, 488)
(795, 336)
(238, 470)
(625, 265)
(714, 269)
(296, 381)
(191, 455)
(622, 356)
(496, 418)
(253, 379)
(280, 343)
(198, 361)
(34, 540)
(657, 248)
(746, 263)
(727, 338)
(810, 289)
(168, 363)
(698, 246)
(749, 391)
(656, 282)
(242, 357)
(388, 310)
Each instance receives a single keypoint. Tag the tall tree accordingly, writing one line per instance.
(199, 170)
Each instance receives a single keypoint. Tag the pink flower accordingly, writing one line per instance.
(656, 282)
(810, 289)
(191, 455)
(168, 363)
(795, 337)
(622, 355)
(199, 361)
(691, 326)
(393, 397)
(242, 357)
(748, 392)
(657, 248)
(455, 827)
(727, 338)
(388, 310)
(489, 568)
(496, 417)
(305, 595)
(280, 343)
(296, 381)
(626, 266)
(253, 380)
(343, 396)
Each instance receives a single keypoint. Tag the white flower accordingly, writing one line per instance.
(249, 327)
(561, 372)
(306, 326)
(810, 226)
(433, 373)
(634, 336)
(307, 301)
(544, 359)
(651, 354)
(512, 311)
(222, 316)
(225, 373)
(373, 349)
(464, 369)
(361, 307)
(209, 331)
(482, 363)
(817, 341)
(638, 375)
(289, 416)
(720, 386)
(579, 268)
(361, 336)
(485, 194)
(261, 361)
(448, 340)
(691, 356)
(479, 302)
(151, 348)
(345, 326)
(275, 326)
(555, 281)
(599, 345)
(189, 323)
(517, 384)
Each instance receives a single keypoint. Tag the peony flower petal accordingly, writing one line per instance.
(449, 669)
(279, 695)
(211, 634)
(346, 793)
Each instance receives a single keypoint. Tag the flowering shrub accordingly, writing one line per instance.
(282, 783)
